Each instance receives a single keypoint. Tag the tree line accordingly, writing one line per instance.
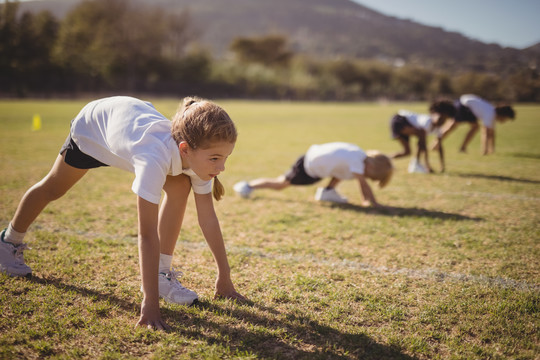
(105, 46)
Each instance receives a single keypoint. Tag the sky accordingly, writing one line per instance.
(513, 23)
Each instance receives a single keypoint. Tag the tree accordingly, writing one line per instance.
(268, 50)
(26, 43)
(488, 86)
(116, 42)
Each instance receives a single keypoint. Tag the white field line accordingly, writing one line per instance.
(484, 194)
(429, 274)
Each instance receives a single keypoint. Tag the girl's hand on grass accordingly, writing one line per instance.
(153, 324)
(151, 318)
(233, 296)
(367, 203)
(225, 289)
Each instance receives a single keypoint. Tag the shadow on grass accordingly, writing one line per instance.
(270, 334)
(386, 210)
(405, 212)
(94, 294)
(255, 329)
(498, 178)
(523, 155)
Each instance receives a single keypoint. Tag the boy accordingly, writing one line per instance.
(337, 160)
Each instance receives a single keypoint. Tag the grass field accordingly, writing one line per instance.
(449, 270)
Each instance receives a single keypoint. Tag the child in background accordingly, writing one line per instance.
(175, 157)
(337, 160)
(405, 124)
(470, 108)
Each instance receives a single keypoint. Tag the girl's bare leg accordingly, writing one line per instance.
(470, 134)
(53, 186)
(333, 183)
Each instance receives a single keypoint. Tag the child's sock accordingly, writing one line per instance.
(14, 236)
(165, 262)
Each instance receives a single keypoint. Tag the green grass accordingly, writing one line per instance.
(450, 270)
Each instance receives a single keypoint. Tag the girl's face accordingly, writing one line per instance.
(206, 163)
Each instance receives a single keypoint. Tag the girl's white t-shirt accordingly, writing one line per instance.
(480, 108)
(131, 134)
(420, 121)
(337, 159)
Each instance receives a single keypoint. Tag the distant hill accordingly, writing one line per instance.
(332, 28)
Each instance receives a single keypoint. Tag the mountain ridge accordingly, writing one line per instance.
(331, 29)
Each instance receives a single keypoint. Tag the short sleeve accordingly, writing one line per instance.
(198, 185)
(150, 177)
(357, 165)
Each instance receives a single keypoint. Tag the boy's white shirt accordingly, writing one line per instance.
(131, 134)
(482, 109)
(336, 159)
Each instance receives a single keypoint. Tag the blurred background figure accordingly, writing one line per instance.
(470, 109)
(405, 124)
(338, 161)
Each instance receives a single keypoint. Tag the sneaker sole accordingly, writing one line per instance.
(172, 302)
(186, 304)
(27, 275)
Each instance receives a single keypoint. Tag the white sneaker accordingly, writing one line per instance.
(12, 258)
(331, 195)
(416, 167)
(243, 189)
(172, 290)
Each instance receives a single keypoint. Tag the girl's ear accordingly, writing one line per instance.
(184, 147)
(368, 167)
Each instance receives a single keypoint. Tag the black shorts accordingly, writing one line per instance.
(464, 114)
(76, 158)
(397, 124)
(297, 175)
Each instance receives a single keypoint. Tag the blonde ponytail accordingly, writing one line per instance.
(218, 190)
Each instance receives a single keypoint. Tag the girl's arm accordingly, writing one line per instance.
(366, 191)
(209, 224)
(149, 262)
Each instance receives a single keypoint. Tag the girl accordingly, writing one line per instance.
(175, 157)
(469, 109)
(337, 160)
(405, 124)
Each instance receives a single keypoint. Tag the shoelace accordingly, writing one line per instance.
(19, 249)
(173, 276)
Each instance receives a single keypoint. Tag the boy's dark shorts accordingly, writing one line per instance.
(397, 124)
(76, 158)
(297, 174)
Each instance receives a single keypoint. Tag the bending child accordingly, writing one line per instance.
(175, 157)
(337, 160)
(470, 108)
(405, 124)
